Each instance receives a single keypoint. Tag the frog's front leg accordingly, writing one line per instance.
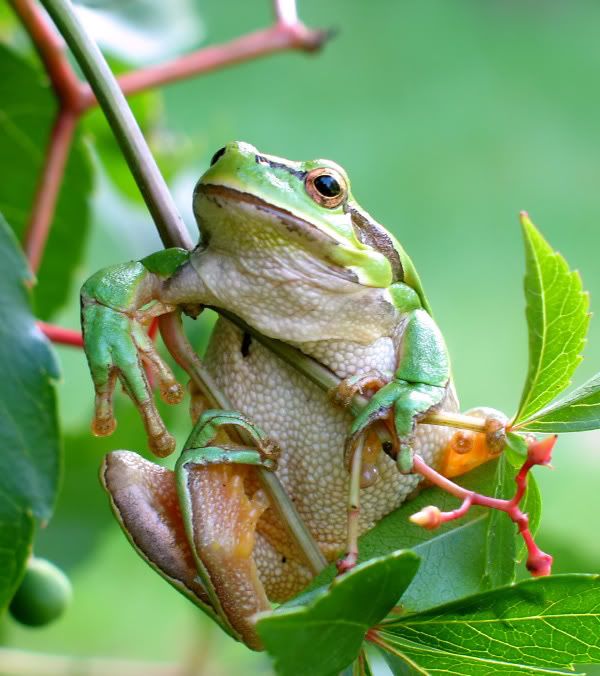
(116, 304)
(419, 384)
(196, 526)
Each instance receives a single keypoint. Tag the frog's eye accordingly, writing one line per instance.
(217, 156)
(326, 186)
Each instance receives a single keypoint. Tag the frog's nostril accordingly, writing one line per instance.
(217, 156)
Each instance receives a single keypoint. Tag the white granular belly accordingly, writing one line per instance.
(311, 432)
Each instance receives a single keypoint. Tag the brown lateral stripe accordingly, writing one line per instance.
(373, 235)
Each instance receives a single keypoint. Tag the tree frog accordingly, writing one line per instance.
(284, 246)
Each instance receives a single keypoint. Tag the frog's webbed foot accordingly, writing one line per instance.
(399, 405)
(117, 347)
(210, 442)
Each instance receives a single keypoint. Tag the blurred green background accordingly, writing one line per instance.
(450, 117)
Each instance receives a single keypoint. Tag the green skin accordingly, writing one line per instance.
(333, 234)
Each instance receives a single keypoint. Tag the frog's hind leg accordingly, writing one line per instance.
(221, 503)
(144, 499)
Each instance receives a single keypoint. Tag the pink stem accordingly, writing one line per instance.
(538, 562)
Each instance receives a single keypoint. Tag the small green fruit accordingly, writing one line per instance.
(44, 594)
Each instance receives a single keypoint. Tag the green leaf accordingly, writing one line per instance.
(16, 534)
(516, 449)
(579, 411)
(557, 319)
(322, 632)
(406, 658)
(500, 550)
(29, 445)
(547, 622)
(27, 110)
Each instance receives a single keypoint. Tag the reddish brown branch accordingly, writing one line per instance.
(49, 182)
(69, 92)
(51, 48)
(60, 335)
(277, 38)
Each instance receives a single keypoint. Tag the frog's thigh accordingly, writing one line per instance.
(281, 575)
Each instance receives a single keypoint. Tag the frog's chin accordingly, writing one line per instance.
(210, 199)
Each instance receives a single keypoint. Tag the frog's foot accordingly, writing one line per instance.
(212, 436)
(343, 394)
(221, 502)
(467, 449)
(399, 405)
(538, 453)
(117, 347)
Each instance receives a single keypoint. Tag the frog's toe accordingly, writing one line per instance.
(103, 425)
(343, 394)
(466, 450)
(170, 390)
(135, 383)
(160, 440)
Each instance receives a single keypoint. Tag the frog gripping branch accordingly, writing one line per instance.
(293, 265)
(351, 413)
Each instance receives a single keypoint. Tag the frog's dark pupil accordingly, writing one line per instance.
(327, 185)
(217, 156)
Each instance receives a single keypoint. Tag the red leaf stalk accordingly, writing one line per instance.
(538, 453)
(60, 335)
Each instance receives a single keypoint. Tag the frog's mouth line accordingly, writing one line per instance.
(303, 231)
